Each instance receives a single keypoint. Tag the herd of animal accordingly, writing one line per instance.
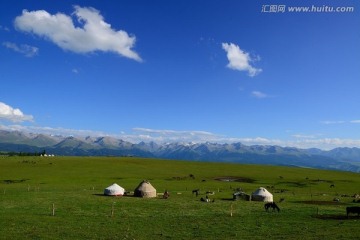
(349, 210)
(275, 207)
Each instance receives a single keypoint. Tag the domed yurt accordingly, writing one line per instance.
(114, 190)
(262, 195)
(145, 190)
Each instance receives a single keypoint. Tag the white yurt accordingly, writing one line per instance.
(114, 190)
(261, 194)
(145, 190)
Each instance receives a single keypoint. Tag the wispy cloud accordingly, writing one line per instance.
(340, 122)
(326, 143)
(55, 131)
(303, 136)
(4, 28)
(13, 114)
(94, 34)
(328, 122)
(146, 134)
(240, 60)
(27, 50)
(259, 94)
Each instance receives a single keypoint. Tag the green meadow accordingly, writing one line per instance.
(62, 198)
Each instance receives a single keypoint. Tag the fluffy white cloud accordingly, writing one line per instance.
(239, 59)
(13, 114)
(93, 35)
(27, 50)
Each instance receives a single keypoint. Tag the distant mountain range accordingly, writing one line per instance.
(346, 159)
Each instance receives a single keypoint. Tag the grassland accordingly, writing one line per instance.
(31, 186)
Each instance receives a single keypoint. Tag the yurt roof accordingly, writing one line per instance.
(114, 189)
(145, 186)
(262, 191)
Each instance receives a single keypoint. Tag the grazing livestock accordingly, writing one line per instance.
(206, 199)
(271, 205)
(352, 210)
(166, 194)
(332, 186)
(196, 191)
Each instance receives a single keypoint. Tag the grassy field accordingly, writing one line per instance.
(31, 188)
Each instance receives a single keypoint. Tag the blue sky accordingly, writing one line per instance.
(161, 70)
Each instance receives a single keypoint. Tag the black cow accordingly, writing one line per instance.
(271, 205)
(196, 191)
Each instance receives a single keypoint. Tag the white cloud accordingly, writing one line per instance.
(13, 114)
(27, 50)
(55, 131)
(259, 94)
(93, 35)
(326, 143)
(240, 60)
(340, 122)
(304, 136)
(4, 28)
(145, 134)
(300, 141)
(327, 122)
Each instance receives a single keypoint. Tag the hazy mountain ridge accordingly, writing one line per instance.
(347, 159)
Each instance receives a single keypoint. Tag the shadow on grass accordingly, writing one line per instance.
(235, 179)
(334, 217)
(119, 196)
(9, 181)
(228, 199)
(322, 202)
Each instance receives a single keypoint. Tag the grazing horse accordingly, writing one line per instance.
(352, 210)
(271, 205)
(196, 191)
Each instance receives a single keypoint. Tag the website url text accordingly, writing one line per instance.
(308, 9)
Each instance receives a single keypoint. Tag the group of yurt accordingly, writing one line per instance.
(144, 190)
(261, 194)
